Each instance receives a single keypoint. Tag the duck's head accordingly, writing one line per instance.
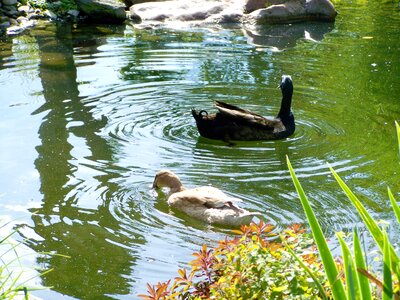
(166, 178)
(286, 85)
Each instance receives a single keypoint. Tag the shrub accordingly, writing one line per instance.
(254, 265)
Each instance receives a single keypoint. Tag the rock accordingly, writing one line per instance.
(234, 11)
(4, 22)
(22, 19)
(323, 10)
(50, 14)
(293, 11)
(226, 16)
(24, 10)
(176, 10)
(10, 2)
(106, 11)
(252, 5)
(73, 13)
(13, 22)
(10, 10)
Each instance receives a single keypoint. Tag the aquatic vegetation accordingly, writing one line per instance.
(14, 277)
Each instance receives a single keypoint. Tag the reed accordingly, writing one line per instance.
(357, 279)
(15, 278)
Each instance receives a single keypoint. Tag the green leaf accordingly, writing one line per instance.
(326, 255)
(307, 269)
(351, 275)
(371, 224)
(387, 274)
(398, 133)
(396, 208)
(360, 264)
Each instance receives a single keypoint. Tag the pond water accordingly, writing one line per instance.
(91, 113)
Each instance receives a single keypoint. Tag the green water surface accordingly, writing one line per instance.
(91, 113)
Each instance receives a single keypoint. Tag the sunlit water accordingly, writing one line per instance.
(90, 114)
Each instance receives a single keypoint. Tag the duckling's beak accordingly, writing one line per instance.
(154, 186)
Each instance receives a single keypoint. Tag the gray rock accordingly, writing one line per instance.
(4, 22)
(50, 14)
(73, 13)
(174, 10)
(10, 10)
(10, 2)
(24, 10)
(293, 11)
(13, 22)
(109, 11)
(22, 19)
(235, 11)
(321, 9)
(252, 5)
(225, 17)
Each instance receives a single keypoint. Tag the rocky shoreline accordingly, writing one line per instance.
(17, 15)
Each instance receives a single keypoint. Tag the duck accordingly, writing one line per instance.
(205, 203)
(234, 123)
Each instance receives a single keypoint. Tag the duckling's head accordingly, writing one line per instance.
(166, 178)
(286, 85)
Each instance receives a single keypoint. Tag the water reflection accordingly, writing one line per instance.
(285, 36)
(115, 109)
(88, 235)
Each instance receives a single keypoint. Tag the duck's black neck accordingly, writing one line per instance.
(285, 104)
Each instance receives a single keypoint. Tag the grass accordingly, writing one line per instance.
(15, 278)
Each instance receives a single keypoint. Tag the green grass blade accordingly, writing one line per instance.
(396, 208)
(387, 273)
(372, 226)
(307, 269)
(319, 238)
(398, 133)
(360, 264)
(351, 275)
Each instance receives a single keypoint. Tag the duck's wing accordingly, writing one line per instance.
(206, 196)
(245, 117)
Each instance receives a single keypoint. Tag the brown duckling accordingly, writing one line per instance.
(234, 123)
(205, 203)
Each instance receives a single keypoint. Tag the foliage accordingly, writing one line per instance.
(10, 285)
(38, 4)
(357, 278)
(326, 256)
(62, 7)
(250, 266)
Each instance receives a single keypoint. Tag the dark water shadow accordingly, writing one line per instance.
(98, 266)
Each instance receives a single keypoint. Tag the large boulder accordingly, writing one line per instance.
(235, 11)
(293, 11)
(104, 11)
(176, 10)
